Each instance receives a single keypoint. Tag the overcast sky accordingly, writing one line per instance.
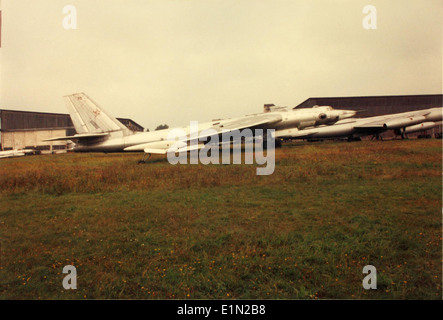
(165, 61)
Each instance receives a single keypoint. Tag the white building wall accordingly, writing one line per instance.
(22, 139)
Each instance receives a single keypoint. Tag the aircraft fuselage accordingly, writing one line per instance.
(300, 118)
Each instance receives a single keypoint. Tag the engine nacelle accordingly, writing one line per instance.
(401, 123)
(286, 133)
(165, 144)
(420, 127)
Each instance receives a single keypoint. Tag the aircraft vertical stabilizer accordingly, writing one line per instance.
(88, 117)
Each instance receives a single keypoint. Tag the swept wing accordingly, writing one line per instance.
(215, 128)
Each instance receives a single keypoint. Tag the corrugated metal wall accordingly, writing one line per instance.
(20, 120)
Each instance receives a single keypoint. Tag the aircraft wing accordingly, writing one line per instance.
(15, 153)
(248, 122)
(217, 127)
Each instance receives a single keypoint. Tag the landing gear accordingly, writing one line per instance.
(401, 132)
(351, 139)
(145, 158)
(377, 136)
(277, 143)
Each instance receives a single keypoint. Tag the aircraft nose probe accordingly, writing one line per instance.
(348, 114)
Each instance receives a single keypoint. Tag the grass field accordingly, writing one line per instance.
(158, 231)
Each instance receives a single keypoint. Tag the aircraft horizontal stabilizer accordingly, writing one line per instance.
(85, 136)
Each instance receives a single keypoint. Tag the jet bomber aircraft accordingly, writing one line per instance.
(98, 131)
(355, 128)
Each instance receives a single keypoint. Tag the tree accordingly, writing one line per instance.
(161, 127)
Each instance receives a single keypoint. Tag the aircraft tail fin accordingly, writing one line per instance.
(88, 117)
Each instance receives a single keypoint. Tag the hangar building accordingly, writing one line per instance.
(24, 129)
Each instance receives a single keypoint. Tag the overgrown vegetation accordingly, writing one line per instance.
(220, 231)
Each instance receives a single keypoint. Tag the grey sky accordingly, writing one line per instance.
(162, 61)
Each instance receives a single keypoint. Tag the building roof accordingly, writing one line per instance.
(377, 105)
(17, 120)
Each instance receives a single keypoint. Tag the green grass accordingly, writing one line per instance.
(158, 231)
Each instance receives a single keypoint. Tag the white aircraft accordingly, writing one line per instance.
(354, 128)
(98, 131)
(15, 153)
